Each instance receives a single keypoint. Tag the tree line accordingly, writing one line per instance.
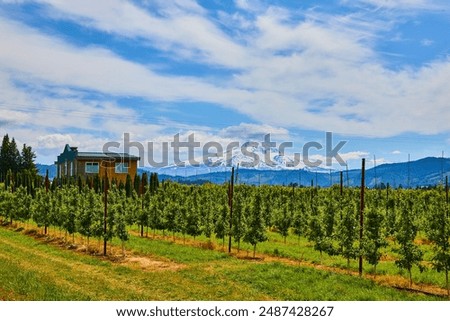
(13, 162)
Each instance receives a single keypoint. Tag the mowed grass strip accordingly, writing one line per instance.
(303, 283)
(59, 274)
(33, 270)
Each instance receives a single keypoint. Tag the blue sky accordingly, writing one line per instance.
(374, 72)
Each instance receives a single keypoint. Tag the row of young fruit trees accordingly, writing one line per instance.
(328, 218)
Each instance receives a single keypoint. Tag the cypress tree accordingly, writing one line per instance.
(27, 160)
(128, 186)
(137, 184)
(4, 152)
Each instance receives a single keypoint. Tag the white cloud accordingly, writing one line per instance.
(182, 28)
(405, 4)
(249, 5)
(353, 155)
(245, 131)
(91, 68)
(54, 141)
(317, 72)
(396, 152)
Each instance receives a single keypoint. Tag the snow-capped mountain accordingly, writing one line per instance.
(247, 157)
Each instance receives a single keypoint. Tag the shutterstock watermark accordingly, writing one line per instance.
(213, 153)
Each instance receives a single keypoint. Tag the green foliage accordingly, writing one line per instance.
(283, 221)
(221, 226)
(348, 231)
(438, 232)
(316, 232)
(329, 221)
(128, 186)
(16, 168)
(239, 226)
(410, 253)
(256, 230)
(42, 208)
(300, 220)
(373, 239)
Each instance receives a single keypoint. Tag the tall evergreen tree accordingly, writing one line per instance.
(27, 160)
(128, 186)
(10, 159)
(15, 160)
(137, 184)
(4, 152)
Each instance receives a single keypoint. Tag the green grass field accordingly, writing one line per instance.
(36, 269)
(300, 249)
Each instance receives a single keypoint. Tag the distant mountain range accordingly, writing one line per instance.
(423, 172)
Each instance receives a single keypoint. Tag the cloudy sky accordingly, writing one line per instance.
(376, 73)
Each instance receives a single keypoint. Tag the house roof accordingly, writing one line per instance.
(101, 155)
(71, 153)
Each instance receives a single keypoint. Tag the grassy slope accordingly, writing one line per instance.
(33, 270)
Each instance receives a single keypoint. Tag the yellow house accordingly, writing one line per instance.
(73, 163)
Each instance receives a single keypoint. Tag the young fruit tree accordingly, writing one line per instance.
(347, 232)
(373, 239)
(239, 220)
(256, 231)
(300, 220)
(316, 231)
(120, 223)
(409, 253)
(438, 232)
(221, 226)
(283, 220)
(42, 209)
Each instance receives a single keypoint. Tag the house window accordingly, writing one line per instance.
(92, 168)
(71, 168)
(121, 168)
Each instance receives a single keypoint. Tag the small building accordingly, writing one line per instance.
(73, 163)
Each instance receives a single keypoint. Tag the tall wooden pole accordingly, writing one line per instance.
(230, 203)
(387, 198)
(346, 172)
(375, 171)
(341, 184)
(105, 213)
(361, 215)
(47, 184)
(446, 193)
(409, 170)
